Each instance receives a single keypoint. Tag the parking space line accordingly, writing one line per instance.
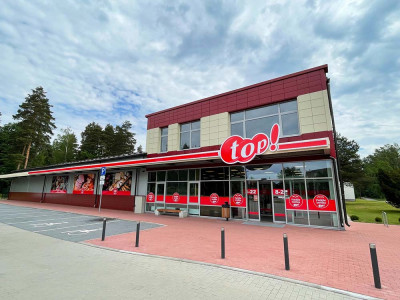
(40, 215)
(75, 226)
(50, 219)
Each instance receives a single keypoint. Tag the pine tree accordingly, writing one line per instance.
(36, 122)
(91, 143)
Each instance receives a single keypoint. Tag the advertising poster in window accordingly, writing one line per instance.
(118, 183)
(59, 184)
(84, 184)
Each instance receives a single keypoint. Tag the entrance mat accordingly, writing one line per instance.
(265, 224)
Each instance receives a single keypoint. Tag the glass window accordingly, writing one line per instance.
(172, 175)
(294, 170)
(183, 175)
(151, 176)
(215, 174)
(319, 168)
(262, 125)
(323, 219)
(290, 124)
(190, 135)
(250, 122)
(262, 111)
(238, 116)
(320, 186)
(194, 174)
(263, 172)
(164, 139)
(288, 106)
(221, 188)
(237, 173)
(237, 129)
(151, 188)
(161, 176)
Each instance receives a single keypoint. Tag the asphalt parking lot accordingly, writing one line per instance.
(66, 226)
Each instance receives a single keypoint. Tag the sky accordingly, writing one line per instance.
(111, 61)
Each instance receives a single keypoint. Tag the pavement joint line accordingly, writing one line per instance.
(26, 216)
(94, 223)
(303, 283)
(48, 220)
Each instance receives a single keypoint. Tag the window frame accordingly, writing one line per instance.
(279, 114)
(190, 134)
(161, 140)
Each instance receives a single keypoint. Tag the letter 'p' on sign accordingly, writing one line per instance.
(236, 149)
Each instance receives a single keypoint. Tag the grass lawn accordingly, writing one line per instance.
(368, 210)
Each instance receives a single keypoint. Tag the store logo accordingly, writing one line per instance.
(296, 201)
(214, 198)
(150, 197)
(236, 149)
(237, 199)
(321, 201)
(175, 197)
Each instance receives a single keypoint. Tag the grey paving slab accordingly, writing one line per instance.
(38, 267)
(64, 225)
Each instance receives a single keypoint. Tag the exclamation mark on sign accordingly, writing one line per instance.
(274, 137)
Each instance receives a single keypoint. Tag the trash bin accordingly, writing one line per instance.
(226, 211)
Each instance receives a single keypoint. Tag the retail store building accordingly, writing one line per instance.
(267, 149)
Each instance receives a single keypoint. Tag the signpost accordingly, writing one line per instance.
(101, 182)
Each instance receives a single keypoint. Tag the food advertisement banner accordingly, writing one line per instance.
(214, 199)
(296, 202)
(59, 184)
(119, 183)
(238, 200)
(321, 203)
(176, 198)
(84, 184)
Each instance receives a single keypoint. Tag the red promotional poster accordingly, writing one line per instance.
(59, 184)
(280, 192)
(150, 197)
(296, 202)
(238, 201)
(252, 191)
(84, 184)
(214, 199)
(322, 203)
(118, 184)
(176, 198)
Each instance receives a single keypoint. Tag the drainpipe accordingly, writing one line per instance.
(339, 185)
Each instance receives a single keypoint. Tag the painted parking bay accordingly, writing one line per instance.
(66, 226)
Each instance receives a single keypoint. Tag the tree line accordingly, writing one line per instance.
(26, 143)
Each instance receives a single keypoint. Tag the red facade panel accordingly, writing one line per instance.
(31, 197)
(118, 202)
(268, 92)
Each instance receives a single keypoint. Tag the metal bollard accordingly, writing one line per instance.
(375, 267)
(137, 234)
(385, 219)
(222, 242)
(103, 235)
(286, 250)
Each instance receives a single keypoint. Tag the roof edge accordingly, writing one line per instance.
(324, 67)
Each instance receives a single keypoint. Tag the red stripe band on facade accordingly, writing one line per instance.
(303, 144)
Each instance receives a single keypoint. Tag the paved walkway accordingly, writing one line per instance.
(56, 269)
(338, 259)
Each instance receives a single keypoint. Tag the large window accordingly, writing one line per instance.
(252, 121)
(164, 139)
(190, 135)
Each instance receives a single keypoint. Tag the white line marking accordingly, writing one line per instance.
(94, 223)
(81, 232)
(26, 216)
(49, 220)
(48, 224)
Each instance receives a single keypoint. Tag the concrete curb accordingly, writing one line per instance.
(309, 284)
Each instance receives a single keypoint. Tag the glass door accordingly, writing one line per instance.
(253, 206)
(266, 213)
(194, 198)
(160, 195)
(279, 194)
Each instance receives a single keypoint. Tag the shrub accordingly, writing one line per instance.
(378, 220)
(399, 220)
(354, 218)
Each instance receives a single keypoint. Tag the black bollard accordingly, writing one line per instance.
(222, 242)
(137, 234)
(375, 267)
(286, 250)
(103, 235)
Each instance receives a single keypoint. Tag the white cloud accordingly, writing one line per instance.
(109, 61)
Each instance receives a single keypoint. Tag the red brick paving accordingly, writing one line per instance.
(338, 259)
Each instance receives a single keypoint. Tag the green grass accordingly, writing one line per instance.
(367, 211)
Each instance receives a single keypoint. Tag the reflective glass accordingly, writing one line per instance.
(290, 124)
(194, 174)
(237, 129)
(237, 172)
(288, 106)
(172, 175)
(262, 111)
(238, 116)
(164, 144)
(271, 171)
(294, 170)
(195, 139)
(262, 125)
(185, 140)
(151, 176)
(195, 125)
(164, 131)
(214, 174)
(318, 168)
(161, 176)
(185, 127)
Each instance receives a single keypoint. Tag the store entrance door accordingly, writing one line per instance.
(266, 207)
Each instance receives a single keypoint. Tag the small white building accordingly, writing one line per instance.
(349, 194)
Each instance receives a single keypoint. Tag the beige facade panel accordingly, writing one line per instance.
(314, 114)
(153, 140)
(214, 129)
(173, 137)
